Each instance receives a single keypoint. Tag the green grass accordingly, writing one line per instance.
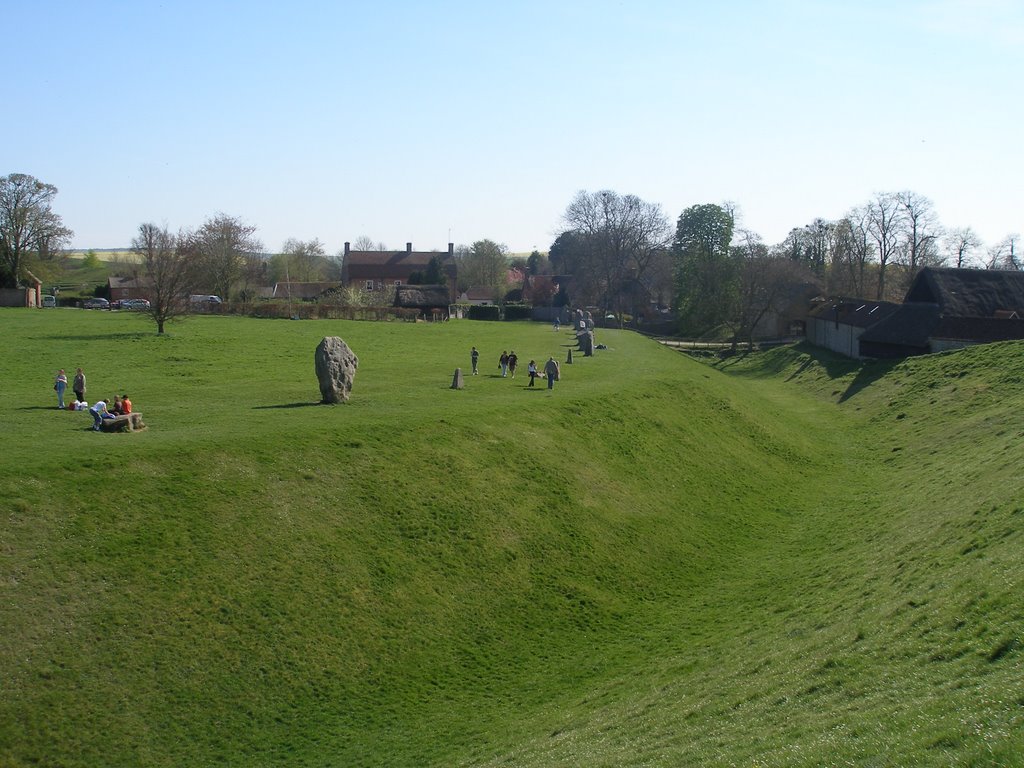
(785, 559)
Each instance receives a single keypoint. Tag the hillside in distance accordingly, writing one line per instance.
(784, 559)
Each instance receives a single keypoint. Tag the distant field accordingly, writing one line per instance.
(103, 254)
(787, 559)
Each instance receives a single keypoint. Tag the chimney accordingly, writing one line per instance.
(346, 248)
(408, 247)
(451, 249)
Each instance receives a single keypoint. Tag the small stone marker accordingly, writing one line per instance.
(457, 379)
(568, 358)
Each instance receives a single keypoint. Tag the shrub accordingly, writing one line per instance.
(485, 312)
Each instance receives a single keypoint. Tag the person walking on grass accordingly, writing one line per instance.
(551, 371)
(59, 385)
(503, 363)
(79, 386)
(513, 361)
(474, 356)
(531, 369)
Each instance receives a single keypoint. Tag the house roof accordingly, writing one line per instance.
(857, 313)
(365, 265)
(301, 290)
(969, 292)
(910, 325)
(421, 296)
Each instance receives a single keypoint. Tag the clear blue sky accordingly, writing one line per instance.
(405, 121)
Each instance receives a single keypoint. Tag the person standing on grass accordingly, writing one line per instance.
(551, 371)
(59, 385)
(503, 363)
(532, 370)
(474, 356)
(79, 386)
(513, 362)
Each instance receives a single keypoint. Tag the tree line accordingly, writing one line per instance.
(620, 253)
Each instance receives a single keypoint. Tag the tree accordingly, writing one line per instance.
(434, 274)
(171, 270)
(765, 283)
(706, 274)
(621, 234)
(221, 245)
(304, 261)
(28, 225)
(364, 243)
(486, 266)
(851, 253)
(961, 243)
(538, 264)
(921, 232)
(1004, 254)
(884, 223)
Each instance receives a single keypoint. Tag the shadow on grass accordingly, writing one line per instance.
(100, 336)
(286, 405)
(41, 408)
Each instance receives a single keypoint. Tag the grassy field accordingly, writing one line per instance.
(778, 560)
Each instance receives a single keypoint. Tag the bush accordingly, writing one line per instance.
(485, 312)
(518, 311)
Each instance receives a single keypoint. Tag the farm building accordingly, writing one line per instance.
(943, 309)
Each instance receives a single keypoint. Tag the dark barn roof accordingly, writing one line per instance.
(905, 331)
(854, 312)
(969, 292)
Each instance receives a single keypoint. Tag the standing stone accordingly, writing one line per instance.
(568, 357)
(457, 379)
(335, 369)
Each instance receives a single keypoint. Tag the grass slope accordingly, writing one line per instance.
(789, 560)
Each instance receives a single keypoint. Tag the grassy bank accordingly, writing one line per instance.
(783, 561)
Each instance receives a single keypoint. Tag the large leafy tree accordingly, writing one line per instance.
(707, 277)
(485, 265)
(28, 225)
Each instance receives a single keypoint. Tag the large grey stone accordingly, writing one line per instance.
(335, 369)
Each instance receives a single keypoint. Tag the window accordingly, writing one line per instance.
(369, 285)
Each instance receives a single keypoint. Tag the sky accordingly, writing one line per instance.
(450, 121)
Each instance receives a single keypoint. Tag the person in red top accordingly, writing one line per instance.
(126, 404)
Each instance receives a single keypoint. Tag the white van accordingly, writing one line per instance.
(49, 301)
(204, 298)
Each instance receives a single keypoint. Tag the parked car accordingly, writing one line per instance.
(204, 298)
(49, 301)
(96, 303)
(136, 305)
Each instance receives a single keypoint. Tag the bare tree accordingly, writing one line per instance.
(961, 243)
(170, 269)
(622, 237)
(851, 253)
(1004, 254)
(884, 221)
(921, 232)
(28, 225)
(221, 244)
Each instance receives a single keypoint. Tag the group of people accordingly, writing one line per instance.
(104, 409)
(60, 386)
(509, 362)
(118, 405)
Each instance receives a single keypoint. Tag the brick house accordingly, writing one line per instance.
(380, 270)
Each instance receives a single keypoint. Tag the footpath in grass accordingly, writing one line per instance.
(788, 560)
